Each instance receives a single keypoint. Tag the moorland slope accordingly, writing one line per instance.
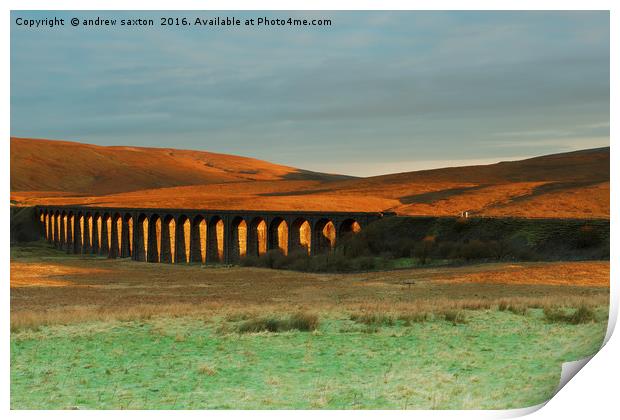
(564, 185)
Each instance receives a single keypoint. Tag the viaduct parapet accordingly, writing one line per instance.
(194, 236)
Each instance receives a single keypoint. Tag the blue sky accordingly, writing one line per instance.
(376, 92)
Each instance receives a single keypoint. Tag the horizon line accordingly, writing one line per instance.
(435, 163)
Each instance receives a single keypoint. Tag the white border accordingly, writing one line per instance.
(311, 5)
(593, 393)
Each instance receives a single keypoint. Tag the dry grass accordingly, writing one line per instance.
(298, 322)
(28, 319)
(373, 318)
(377, 318)
(47, 274)
(519, 308)
(512, 200)
(207, 370)
(414, 316)
(103, 170)
(570, 185)
(453, 310)
(455, 317)
(582, 315)
(581, 274)
(100, 289)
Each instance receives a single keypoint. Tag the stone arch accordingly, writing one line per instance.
(199, 240)
(324, 236)
(301, 235)
(348, 227)
(52, 224)
(70, 230)
(142, 238)
(98, 233)
(86, 232)
(95, 223)
(278, 235)
(182, 240)
(257, 237)
(78, 236)
(238, 239)
(154, 239)
(63, 229)
(168, 239)
(215, 243)
(127, 236)
(42, 225)
(56, 227)
(59, 228)
(116, 237)
(82, 238)
(48, 227)
(105, 237)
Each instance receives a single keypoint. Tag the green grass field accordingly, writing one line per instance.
(89, 332)
(494, 360)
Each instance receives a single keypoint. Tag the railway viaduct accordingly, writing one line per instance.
(194, 236)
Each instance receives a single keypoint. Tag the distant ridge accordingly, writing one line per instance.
(564, 185)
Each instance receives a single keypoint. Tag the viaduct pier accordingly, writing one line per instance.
(186, 236)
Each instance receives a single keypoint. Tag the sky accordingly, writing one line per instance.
(374, 93)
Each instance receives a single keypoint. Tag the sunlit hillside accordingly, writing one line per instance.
(61, 167)
(572, 185)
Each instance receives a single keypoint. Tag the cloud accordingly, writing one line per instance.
(374, 87)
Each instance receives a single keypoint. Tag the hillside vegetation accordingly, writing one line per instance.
(565, 185)
(71, 167)
(403, 242)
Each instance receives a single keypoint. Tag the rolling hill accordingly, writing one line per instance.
(70, 167)
(571, 185)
